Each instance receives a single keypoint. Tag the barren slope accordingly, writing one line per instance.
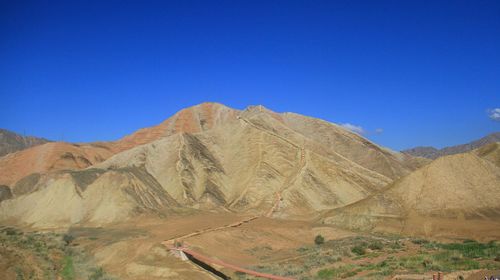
(92, 197)
(59, 155)
(49, 157)
(490, 152)
(252, 162)
(453, 196)
(194, 119)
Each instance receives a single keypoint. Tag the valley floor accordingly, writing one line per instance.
(134, 250)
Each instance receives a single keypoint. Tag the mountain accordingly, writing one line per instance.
(254, 161)
(52, 156)
(425, 152)
(56, 156)
(11, 142)
(206, 157)
(433, 153)
(454, 195)
(490, 152)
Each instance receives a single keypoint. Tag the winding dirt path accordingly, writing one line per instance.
(196, 233)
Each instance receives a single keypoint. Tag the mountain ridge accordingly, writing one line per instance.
(433, 153)
(254, 161)
(12, 142)
(209, 157)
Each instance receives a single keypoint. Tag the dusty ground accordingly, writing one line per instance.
(134, 250)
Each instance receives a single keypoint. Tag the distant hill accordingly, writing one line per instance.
(12, 142)
(454, 195)
(433, 153)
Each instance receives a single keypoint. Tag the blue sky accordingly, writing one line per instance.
(408, 72)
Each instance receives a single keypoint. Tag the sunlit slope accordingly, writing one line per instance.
(453, 195)
(251, 162)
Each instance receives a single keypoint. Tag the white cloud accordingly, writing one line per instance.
(379, 130)
(353, 128)
(494, 114)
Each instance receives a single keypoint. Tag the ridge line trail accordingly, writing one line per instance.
(257, 166)
(320, 144)
(288, 181)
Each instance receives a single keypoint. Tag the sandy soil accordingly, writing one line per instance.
(133, 250)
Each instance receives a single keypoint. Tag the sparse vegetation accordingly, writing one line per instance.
(97, 274)
(68, 271)
(419, 241)
(68, 238)
(377, 245)
(34, 255)
(340, 272)
(401, 255)
(358, 250)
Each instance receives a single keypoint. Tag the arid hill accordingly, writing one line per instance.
(48, 157)
(60, 155)
(433, 153)
(11, 142)
(254, 162)
(490, 152)
(209, 157)
(452, 196)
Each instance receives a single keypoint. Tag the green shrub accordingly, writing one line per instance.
(358, 250)
(97, 274)
(319, 240)
(67, 238)
(382, 263)
(11, 231)
(419, 241)
(375, 246)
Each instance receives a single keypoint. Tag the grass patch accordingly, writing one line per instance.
(349, 257)
(339, 272)
(358, 250)
(33, 255)
(68, 271)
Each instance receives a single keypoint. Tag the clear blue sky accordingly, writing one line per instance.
(425, 72)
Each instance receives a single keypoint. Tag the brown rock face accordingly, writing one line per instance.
(49, 157)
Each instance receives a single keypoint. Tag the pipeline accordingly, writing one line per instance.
(208, 260)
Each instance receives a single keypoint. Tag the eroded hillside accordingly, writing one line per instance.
(204, 157)
(454, 195)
